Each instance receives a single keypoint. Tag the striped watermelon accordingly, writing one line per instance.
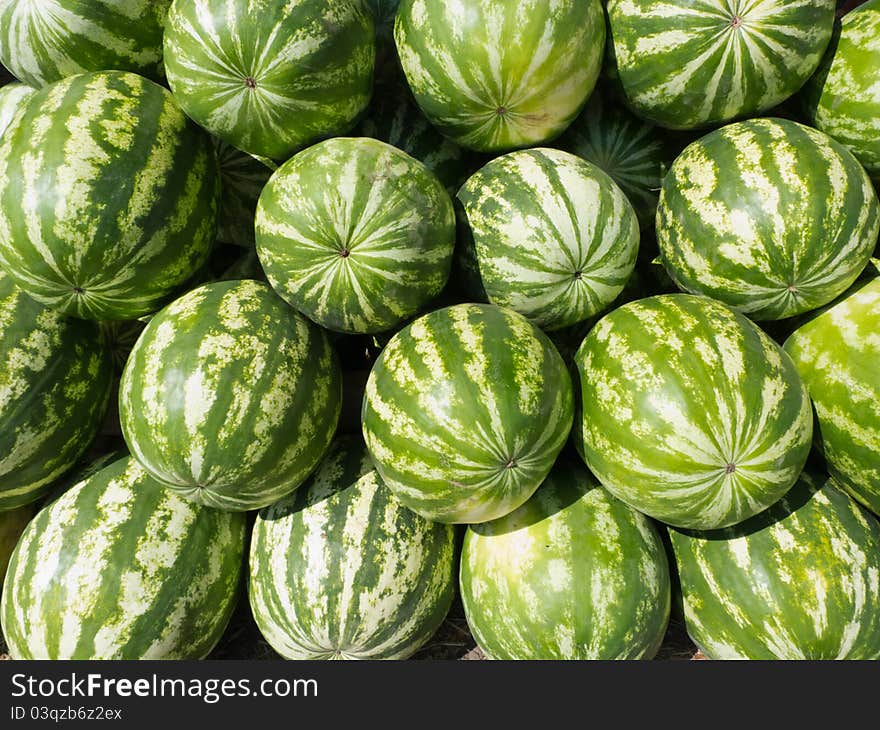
(12, 524)
(229, 397)
(495, 75)
(109, 196)
(686, 64)
(572, 574)
(843, 98)
(45, 41)
(465, 412)
(799, 581)
(54, 387)
(355, 234)
(119, 568)
(767, 216)
(691, 414)
(271, 77)
(555, 238)
(341, 570)
(633, 152)
(13, 98)
(243, 178)
(838, 356)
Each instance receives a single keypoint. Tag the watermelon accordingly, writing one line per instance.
(342, 570)
(109, 196)
(44, 42)
(691, 414)
(494, 75)
(12, 100)
(229, 397)
(54, 388)
(838, 356)
(243, 178)
(843, 97)
(555, 238)
(634, 153)
(572, 574)
(120, 568)
(685, 65)
(465, 412)
(768, 216)
(245, 71)
(799, 581)
(12, 524)
(355, 234)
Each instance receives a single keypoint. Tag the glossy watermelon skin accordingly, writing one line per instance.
(768, 216)
(572, 574)
(843, 97)
(798, 581)
(342, 570)
(48, 41)
(244, 71)
(355, 234)
(229, 397)
(12, 100)
(243, 178)
(545, 60)
(54, 388)
(128, 208)
(837, 354)
(120, 568)
(555, 238)
(691, 414)
(689, 64)
(465, 412)
(12, 524)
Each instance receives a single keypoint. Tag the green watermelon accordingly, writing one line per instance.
(229, 397)
(691, 414)
(42, 42)
(109, 196)
(243, 178)
(54, 387)
(495, 75)
(685, 64)
(465, 412)
(341, 570)
(271, 77)
(12, 100)
(555, 238)
(355, 234)
(12, 524)
(120, 568)
(843, 97)
(838, 356)
(572, 574)
(768, 216)
(633, 152)
(799, 581)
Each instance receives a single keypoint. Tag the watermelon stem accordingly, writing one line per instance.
(250, 82)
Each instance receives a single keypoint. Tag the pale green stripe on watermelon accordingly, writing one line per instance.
(572, 574)
(691, 414)
(120, 568)
(12, 100)
(230, 397)
(242, 178)
(843, 98)
(110, 196)
(495, 75)
(465, 412)
(271, 76)
(771, 217)
(355, 234)
(687, 64)
(44, 41)
(54, 386)
(838, 356)
(800, 581)
(555, 238)
(342, 570)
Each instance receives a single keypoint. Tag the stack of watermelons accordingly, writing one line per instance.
(291, 289)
